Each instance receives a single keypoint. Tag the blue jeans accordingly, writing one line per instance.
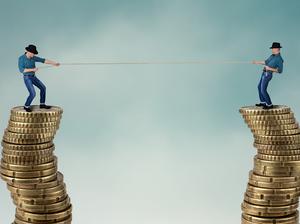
(29, 82)
(262, 88)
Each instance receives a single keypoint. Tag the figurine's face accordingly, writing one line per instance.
(275, 50)
(29, 54)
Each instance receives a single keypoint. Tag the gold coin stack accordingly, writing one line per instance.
(273, 189)
(29, 167)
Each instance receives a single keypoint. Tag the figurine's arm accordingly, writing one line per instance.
(258, 62)
(271, 69)
(50, 62)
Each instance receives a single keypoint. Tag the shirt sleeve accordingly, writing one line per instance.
(280, 65)
(267, 60)
(21, 65)
(38, 59)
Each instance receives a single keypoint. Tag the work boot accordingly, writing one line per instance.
(44, 106)
(259, 104)
(268, 107)
(28, 109)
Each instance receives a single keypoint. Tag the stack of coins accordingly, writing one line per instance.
(29, 167)
(273, 189)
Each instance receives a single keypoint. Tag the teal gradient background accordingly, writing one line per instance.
(151, 144)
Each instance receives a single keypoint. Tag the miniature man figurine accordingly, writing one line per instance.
(26, 65)
(273, 64)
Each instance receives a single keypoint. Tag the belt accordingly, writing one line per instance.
(267, 71)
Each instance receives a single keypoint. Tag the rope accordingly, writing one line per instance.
(149, 63)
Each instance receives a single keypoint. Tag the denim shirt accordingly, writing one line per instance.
(25, 62)
(275, 61)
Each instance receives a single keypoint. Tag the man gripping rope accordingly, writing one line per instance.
(26, 65)
(273, 64)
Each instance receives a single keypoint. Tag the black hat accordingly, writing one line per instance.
(275, 45)
(31, 48)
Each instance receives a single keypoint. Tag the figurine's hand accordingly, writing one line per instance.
(267, 68)
(56, 64)
(35, 69)
(255, 62)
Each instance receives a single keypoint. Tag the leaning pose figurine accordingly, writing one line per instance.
(26, 65)
(273, 64)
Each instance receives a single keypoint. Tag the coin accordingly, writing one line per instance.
(268, 117)
(43, 217)
(29, 167)
(50, 124)
(12, 146)
(51, 130)
(42, 166)
(36, 111)
(276, 132)
(272, 122)
(281, 202)
(278, 158)
(278, 109)
(268, 211)
(278, 127)
(34, 119)
(290, 219)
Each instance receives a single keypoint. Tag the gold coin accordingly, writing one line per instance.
(36, 111)
(278, 109)
(53, 124)
(275, 163)
(67, 220)
(43, 217)
(39, 201)
(32, 130)
(276, 142)
(268, 211)
(41, 152)
(27, 136)
(279, 152)
(274, 127)
(257, 177)
(277, 138)
(272, 132)
(295, 147)
(28, 141)
(293, 190)
(28, 174)
(12, 146)
(37, 192)
(271, 123)
(49, 184)
(42, 166)
(272, 197)
(268, 117)
(34, 119)
(48, 208)
(12, 180)
(278, 158)
(28, 160)
(274, 184)
(270, 202)
(59, 193)
(290, 219)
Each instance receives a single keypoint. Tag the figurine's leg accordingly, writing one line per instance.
(38, 83)
(30, 87)
(264, 86)
(261, 97)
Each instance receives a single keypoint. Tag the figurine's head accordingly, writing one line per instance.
(31, 50)
(275, 48)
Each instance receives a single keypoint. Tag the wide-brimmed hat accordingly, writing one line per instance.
(31, 48)
(275, 45)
